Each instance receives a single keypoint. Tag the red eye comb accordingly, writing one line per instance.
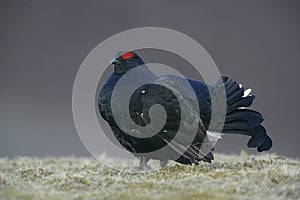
(127, 55)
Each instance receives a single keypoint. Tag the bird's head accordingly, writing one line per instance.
(125, 61)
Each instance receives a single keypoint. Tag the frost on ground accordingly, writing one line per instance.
(228, 177)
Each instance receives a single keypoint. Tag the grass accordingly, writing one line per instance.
(228, 177)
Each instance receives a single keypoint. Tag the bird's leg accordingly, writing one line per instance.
(143, 163)
(163, 163)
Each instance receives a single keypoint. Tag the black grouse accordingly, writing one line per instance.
(238, 120)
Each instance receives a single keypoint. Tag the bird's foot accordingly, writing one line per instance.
(144, 168)
(143, 164)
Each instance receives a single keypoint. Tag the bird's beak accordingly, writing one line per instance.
(115, 62)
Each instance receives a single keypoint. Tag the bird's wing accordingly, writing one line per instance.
(198, 96)
(203, 99)
(179, 103)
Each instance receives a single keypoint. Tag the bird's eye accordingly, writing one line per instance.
(127, 55)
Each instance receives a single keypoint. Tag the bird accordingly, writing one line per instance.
(238, 119)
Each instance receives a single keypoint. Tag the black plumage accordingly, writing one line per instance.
(164, 91)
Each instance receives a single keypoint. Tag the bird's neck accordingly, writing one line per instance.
(140, 74)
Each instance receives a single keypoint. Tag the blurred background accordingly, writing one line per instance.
(43, 44)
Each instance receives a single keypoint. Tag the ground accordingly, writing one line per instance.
(228, 177)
